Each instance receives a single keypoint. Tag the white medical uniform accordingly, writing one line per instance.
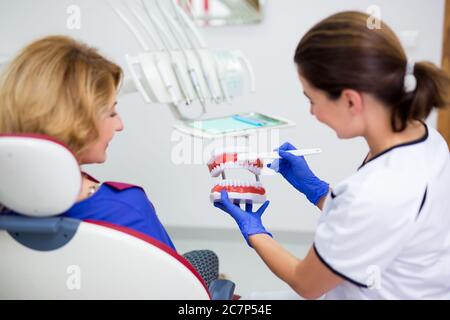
(386, 229)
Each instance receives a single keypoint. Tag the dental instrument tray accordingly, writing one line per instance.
(233, 125)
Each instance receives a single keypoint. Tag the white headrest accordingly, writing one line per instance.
(38, 175)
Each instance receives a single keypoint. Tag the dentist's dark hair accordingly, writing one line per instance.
(342, 52)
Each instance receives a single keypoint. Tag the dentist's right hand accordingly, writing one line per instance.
(297, 172)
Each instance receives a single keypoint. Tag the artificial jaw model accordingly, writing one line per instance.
(244, 191)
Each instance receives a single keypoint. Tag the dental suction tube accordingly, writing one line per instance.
(165, 39)
(148, 29)
(173, 27)
(131, 26)
(191, 31)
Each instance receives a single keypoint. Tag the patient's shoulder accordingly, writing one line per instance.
(118, 186)
(123, 191)
(116, 191)
(127, 194)
(121, 186)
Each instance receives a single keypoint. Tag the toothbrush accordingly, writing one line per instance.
(274, 155)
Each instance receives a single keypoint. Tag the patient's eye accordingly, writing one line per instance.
(113, 110)
(310, 101)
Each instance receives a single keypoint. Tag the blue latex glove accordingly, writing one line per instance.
(249, 222)
(296, 171)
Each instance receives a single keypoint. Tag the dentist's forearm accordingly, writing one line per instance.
(322, 200)
(280, 261)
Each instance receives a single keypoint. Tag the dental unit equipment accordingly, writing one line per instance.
(178, 36)
(190, 27)
(133, 29)
(245, 124)
(177, 66)
(173, 62)
(141, 18)
(158, 62)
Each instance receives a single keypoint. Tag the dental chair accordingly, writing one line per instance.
(46, 256)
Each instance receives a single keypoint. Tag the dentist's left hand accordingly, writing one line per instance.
(249, 222)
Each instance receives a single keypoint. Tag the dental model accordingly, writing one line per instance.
(238, 190)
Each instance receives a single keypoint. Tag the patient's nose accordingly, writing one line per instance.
(119, 126)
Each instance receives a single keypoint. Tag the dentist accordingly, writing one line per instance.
(384, 231)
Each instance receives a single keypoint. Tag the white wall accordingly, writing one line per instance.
(142, 153)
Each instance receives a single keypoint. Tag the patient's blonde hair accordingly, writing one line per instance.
(59, 87)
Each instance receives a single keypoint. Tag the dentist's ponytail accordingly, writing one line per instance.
(432, 91)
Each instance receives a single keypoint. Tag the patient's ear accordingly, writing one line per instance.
(353, 100)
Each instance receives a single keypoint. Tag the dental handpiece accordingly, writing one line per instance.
(197, 88)
(223, 86)
(214, 97)
(181, 82)
(165, 78)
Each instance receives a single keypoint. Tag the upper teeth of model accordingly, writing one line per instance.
(234, 165)
(239, 183)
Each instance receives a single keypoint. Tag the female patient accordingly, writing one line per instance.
(62, 88)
